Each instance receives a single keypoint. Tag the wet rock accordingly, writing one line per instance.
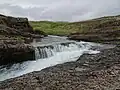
(13, 51)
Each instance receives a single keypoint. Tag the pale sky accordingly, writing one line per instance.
(60, 10)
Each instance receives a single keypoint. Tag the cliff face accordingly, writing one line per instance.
(15, 34)
(16, 26)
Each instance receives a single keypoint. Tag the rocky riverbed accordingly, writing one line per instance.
(90, 72)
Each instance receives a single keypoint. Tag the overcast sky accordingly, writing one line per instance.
(60, 10)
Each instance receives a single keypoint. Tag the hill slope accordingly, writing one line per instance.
(66, 28)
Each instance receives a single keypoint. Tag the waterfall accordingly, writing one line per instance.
(42, 52)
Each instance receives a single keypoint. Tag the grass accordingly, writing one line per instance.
(66, 28)
(58, 28)
(52, 28)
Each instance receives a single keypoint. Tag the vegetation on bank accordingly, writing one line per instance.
(66, 28)
(52, 28)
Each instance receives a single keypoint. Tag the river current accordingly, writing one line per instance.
(49, 51)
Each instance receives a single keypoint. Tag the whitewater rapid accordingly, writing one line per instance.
(49, 51)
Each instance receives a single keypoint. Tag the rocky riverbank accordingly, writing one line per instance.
(89, 72)
(15, 36)
(98, 30)
(97, 36)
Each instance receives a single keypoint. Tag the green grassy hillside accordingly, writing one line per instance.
(66, 28)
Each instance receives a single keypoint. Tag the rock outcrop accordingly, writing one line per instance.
(100, 36)
(17, 26)
(97, 30)
(15, 34)
(14, 51)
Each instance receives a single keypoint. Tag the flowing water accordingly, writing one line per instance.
(49, 51)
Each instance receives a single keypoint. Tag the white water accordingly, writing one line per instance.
(49, 54)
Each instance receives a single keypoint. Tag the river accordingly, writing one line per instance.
(49, 51)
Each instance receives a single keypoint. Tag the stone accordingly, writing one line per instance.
(79, 69)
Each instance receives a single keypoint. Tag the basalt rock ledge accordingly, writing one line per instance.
(15, 36)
